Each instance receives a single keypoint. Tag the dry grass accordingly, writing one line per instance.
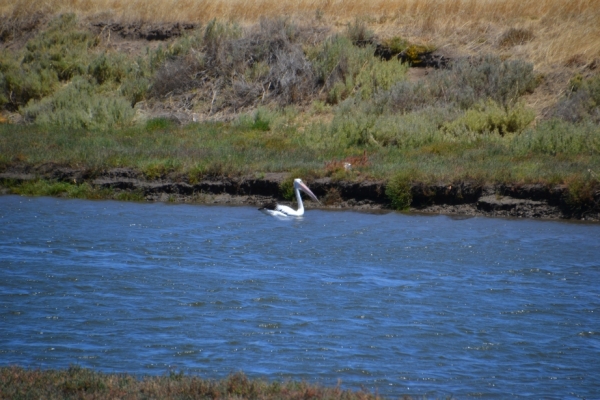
(562, 29)
(82, 383)
(563, 36)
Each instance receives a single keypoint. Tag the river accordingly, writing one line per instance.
(393, 303)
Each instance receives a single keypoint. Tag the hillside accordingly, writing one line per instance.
(415, 94)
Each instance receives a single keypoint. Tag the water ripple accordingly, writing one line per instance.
(420, 305)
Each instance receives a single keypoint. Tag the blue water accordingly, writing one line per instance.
(393, 303)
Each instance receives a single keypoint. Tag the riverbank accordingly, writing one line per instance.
(77, 383)
(455, 198)
(450, 109)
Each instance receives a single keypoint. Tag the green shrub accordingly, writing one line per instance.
(337, 62)
(159, 169)
(286, 188)
(110, 67)
(343, 70)
(411, 130)
(490, 77)
(78, 105)
(558, 137)
(489, 117)
(21, 82)
(466, 83)
(136, 195)
(582, 102)
(353, 128)
(260, 120)
(379, 75)
(581, 194)
(57, 54)
(42, 188)
(398, 191)
(357, 124)
(217, 32)
(186, 43)
(62, 48)
(135, 90)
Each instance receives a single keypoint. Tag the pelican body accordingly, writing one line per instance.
(277, 210)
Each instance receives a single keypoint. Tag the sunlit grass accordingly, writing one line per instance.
(216, 149)
(561, 30)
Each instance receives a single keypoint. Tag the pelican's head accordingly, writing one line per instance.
(298, 184)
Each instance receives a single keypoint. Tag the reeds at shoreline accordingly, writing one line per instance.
(82, 383)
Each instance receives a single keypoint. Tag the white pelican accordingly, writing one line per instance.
(278, 210)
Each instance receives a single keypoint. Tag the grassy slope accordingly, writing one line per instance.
(565, 33)
(312, 136)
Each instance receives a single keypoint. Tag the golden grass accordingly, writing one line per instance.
(563, 30)
(565, 34)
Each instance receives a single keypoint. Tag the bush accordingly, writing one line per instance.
(359, 123)
(404, 97)
(343, 69)
(20, 83)
(465, 84)
(78, 105)
(489, 117)
(259, 120)
(378, 76)
(412, 130)
(490, 77)
(337, 62)
(583, 195)
(56, 54)
(177, 76)
(216, 33)
(135, 89)
(558, 137)
(398, 191)
(286, 188)
(62, 48)
(265, 63)
(110, 67)
(350, 128)
(582, 102)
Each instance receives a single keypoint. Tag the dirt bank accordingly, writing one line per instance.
(459, 198)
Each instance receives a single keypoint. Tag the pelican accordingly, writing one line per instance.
(278, 210)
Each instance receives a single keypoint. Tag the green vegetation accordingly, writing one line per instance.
(399, 191)
(76, 383)
(41, 187)
(295, 98)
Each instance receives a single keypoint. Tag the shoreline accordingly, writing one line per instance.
(531, 201)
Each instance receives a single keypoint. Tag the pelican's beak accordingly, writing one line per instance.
(305, 189)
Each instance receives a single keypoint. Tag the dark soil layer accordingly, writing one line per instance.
(462, 198)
